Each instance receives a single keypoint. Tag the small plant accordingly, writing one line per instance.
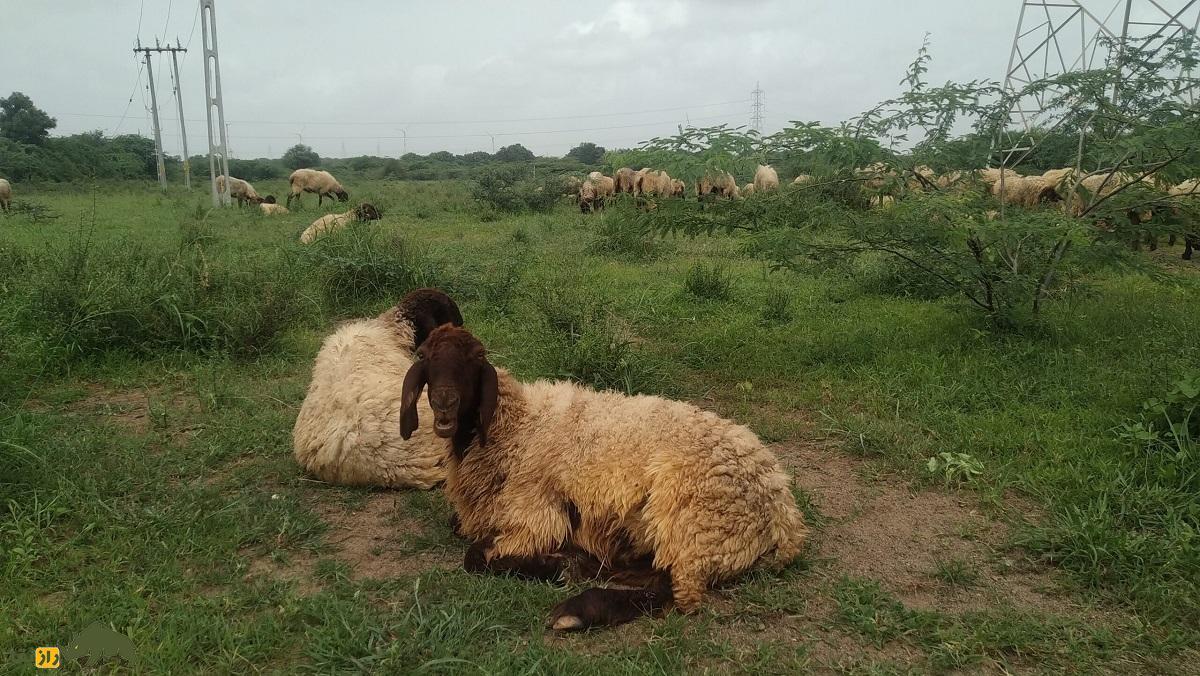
(713, 282)
(777, 308)
(955, 468)
(621, 235)
(955, 572)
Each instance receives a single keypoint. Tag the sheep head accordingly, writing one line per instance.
(269, 199)
(366, 212)
(342, 195)
(427, 309)
(463, 388)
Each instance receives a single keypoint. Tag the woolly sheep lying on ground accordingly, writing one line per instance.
(273, 209)
(333, 222)
(313, 180)
(766, 178)
(346, 431)
(539, 468)
(5, 195)
(241, 191)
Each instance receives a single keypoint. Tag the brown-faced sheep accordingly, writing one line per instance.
(625, 181)
(719, 184)
(240, 190)
(766, 178)
(346, 431)
(333, 222)
(5, 195)
(595, 192)
(540, 468)
(1191, 237)
(313, 180)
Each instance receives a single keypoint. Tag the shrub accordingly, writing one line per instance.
(777, 307)
(713, 282)
(621, 234)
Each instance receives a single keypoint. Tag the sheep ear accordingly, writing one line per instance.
(489, 393)
(414, 382)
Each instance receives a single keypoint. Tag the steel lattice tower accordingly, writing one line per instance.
(756, 108)
(1054, 37)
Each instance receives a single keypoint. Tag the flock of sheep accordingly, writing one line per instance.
(546, 477)
(322, 183)
(594, 192)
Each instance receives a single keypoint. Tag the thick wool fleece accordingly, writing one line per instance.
(622, 477)
(347, 431)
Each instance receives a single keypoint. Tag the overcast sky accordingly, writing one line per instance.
(352, 78)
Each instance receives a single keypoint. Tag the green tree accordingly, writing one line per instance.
(22, 121)
(514, 153)
(300, 156)
(587, 153)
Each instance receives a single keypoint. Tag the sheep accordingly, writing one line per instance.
(802, 179)
(313, 180)
(766, 178)
(625, 180)
(5, 195)
(545, 467)
(747, 190)
(273, 209)
(346, 431)
(657, 183)
(1191, 239)
(875, 176)
(678, 188)
(921, 177)
(332, 222)
(717, 183)
(1026, 191)
(595, 192)
(239, 190)
(571, 185)
(882, 202)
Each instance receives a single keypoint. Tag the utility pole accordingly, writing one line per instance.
(756, 109)
(187, 163)
(218, 142)
(158, 150)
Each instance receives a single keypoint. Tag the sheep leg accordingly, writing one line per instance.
(599, 607)
(1188, 242)
(548, 567)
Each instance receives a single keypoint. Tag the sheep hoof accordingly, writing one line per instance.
(567, 623)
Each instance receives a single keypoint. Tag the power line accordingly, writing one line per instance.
(350, 123)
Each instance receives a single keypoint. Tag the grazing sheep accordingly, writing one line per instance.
(5, 195)
(720, 184)
(240, 190)
(678, 188)
(766, 178)
(332, 222)
(625, 180)
(1026, 191)
(1058, 176)
(595, 192)
(540, 468)
(346, 431)
(875, 176)
(949, 179)
(656, 183)
(313, 180)
(802, 179)
(920, 178)
(1191, 239)
(748, 190)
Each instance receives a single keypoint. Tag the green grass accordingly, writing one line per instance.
(213, 317)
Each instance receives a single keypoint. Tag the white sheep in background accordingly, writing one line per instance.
(719, 183)
(334, 222)
(536, 468)
(766, 178)
(313, 180)
(5, 195)
(802, 179)
(346, 431)
(624, 180)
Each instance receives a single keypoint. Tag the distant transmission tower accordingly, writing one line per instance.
(1055, 37)
(756, 108)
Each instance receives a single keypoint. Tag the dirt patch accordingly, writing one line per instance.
(131, 410)
(933, 549)
(369, 539)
